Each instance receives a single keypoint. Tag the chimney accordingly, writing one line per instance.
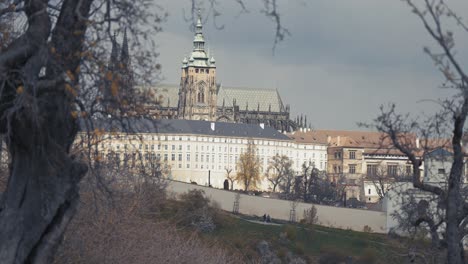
(213, 126)
(328, 139)
(417, 142)
(262, 125)
(338, 141)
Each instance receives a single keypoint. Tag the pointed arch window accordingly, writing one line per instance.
(201, 97)
(201, 94)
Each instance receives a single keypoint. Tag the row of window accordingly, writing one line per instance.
(208, 139)
(375, 169)
(352, 154)
(165, 147)
(202, 70)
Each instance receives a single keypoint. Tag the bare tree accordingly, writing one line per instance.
(248, 173)
(279, 168)
(53, 74)
(230, 177)
(435, 15)
(382, 178)
(287, 185)
(312, 186)
(55, 79)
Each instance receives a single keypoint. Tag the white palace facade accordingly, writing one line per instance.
(195, 150)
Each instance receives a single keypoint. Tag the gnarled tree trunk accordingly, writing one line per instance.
(36, 114)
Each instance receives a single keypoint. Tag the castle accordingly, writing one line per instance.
(200, 97)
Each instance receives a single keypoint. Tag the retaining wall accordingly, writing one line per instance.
(338, 217)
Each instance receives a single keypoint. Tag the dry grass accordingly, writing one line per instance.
(129, 233)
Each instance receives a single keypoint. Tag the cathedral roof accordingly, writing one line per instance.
(253, 97)
(268, 99)
(166, 95)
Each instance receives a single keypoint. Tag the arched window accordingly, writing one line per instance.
(201, 94)
(201, 97)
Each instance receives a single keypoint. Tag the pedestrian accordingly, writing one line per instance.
(264, 217)
(268, 219)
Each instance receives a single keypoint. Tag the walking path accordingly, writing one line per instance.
(261, 222)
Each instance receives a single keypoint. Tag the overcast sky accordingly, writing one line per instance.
(342, 61)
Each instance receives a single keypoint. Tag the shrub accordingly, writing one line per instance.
(291, 232)
(281, 253)
(195, 210)
(368, 256)
(310, 216)
(367, 229)
(332, 255)
(300, 249)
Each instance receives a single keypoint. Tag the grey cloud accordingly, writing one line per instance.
(343, 60)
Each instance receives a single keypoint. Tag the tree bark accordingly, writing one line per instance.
(42, 192)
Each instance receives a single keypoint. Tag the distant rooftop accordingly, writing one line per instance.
(179, 126)
(266, 99)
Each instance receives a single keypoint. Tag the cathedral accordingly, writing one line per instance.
(200, 97)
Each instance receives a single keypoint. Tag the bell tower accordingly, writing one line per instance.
(197, 90)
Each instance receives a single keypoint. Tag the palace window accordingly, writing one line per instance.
(392, 170)
(409, 169)
(352, 154)
(371, 169)
(352, 168)
(337, 155)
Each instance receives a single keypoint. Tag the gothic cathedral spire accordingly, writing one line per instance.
(197, 91)
(125, 55)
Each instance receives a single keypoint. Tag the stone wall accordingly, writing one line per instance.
(338, 217)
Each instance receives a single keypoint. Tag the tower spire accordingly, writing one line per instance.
(199, 40)
(114, 56)
(199, 25)
(125, 55)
